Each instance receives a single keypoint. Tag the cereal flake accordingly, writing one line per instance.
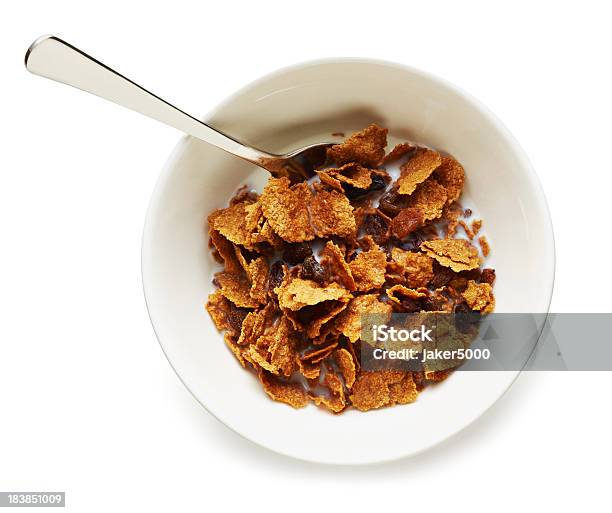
(484, 245)
(349, 321)
(298, 293)
(286, 209)
(346, 364)
(451, 176)
(373, 389)
(352, 174)
(292, 394)
(479, 296)
(366, 147)
(418, 168)
(458, 254)
(237, 289)
(415, 268)
(398, 151)
(430, 198)
(332, 214)
(368, 269)
(333, 258)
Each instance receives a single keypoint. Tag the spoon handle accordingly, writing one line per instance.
(52, 58)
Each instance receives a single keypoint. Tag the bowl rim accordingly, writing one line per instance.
(530, 173)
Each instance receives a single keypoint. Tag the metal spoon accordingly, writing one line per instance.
(53, 58)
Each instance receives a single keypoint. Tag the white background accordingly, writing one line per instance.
(88, 403)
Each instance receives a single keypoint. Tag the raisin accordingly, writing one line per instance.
(376, 226)
(467, 212)
(406, 222)
(416, 238)
(459, 283)
(277, 273)
(235, 317)
(429, 304)
(465, 317)
(390, 203)
(355, 193)
(442, 275)
(472, 274)
(352, 192)
(313, 270)
(411, 305)
(378, 183)
(487, 276)
(296, 253)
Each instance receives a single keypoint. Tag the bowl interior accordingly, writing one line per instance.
(286, 110)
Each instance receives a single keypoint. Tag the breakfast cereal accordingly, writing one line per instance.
(304, 263)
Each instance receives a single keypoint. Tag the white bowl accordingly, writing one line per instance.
(286, 110)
